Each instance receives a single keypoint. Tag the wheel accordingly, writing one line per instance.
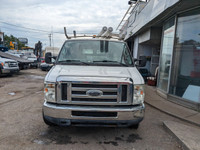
(10, 75)
(1, 70)
(134, 126)
(47, 122)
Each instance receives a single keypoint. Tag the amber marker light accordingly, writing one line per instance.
(46, 90)
(141, 92)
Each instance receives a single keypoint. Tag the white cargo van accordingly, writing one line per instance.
(94, 82)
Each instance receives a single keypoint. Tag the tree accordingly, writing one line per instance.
(11, 38)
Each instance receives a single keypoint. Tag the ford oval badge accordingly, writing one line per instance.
(94, 93)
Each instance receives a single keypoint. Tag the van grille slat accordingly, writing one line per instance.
(86, 89)
(95, 85)
(101, 97)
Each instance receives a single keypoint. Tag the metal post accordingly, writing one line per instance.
(50, 39)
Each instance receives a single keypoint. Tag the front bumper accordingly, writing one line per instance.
(9, 70)
(62, 115)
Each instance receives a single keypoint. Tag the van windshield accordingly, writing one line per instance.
(95, 52)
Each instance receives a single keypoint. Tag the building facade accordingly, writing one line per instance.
(167, 32)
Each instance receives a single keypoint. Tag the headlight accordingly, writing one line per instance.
(49, 92)
(6, 64)
(138, 96)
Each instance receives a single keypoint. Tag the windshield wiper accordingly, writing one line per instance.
(72, 61)
(112, 62)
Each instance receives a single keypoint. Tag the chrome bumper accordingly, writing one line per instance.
(59, 114)
(10, 70)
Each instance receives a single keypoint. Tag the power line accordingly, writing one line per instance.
(21, 30)
(27, 27)
(34, 37)
(50, 40)
(38, 30)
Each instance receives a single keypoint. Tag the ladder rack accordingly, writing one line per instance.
(105, 35)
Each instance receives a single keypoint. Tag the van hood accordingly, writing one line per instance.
(94, 71)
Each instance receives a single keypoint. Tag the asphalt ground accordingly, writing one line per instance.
(22, 126)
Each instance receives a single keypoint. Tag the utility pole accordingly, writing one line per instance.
(50, 38)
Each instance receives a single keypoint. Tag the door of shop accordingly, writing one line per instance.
(166, 54)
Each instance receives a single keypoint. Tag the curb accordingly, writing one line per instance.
(183, 145)
(166, 112)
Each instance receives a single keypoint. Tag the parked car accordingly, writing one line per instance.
(8, 66)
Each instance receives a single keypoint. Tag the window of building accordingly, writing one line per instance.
(185, 76)
(166, 54)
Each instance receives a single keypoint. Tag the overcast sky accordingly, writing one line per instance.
(84, 16)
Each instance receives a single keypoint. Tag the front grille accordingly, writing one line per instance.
(90, 93)
(12, 64)
(79, 92)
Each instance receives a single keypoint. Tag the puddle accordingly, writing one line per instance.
(43, 133)
(35, 77)
(132, 138)
(12, 93)
(39, 142)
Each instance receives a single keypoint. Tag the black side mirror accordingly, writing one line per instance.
(141, 62)
(54, 57)
(48, 57)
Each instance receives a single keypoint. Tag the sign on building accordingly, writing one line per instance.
(23, 40)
